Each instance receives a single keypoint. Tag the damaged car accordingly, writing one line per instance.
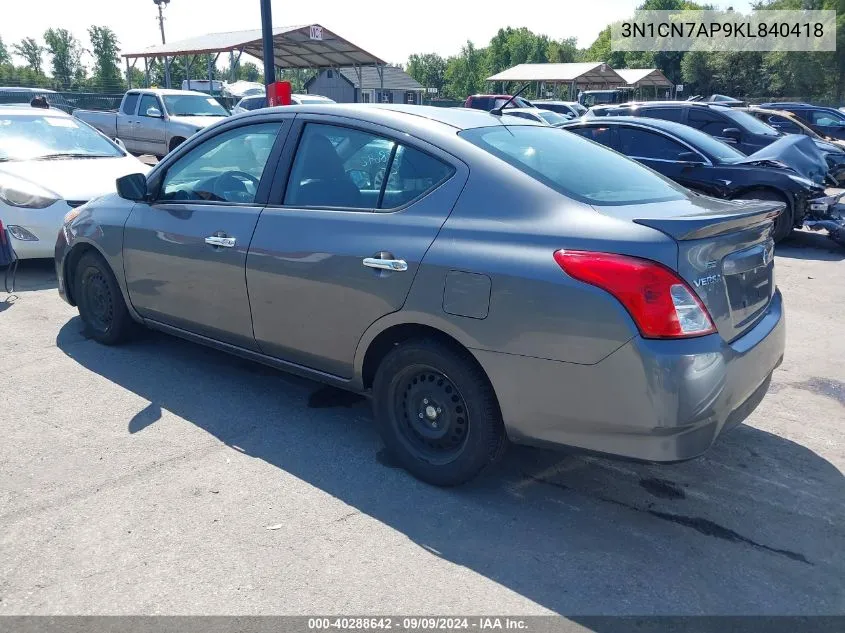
(700, 162)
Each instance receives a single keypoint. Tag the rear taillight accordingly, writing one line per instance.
(661, 303)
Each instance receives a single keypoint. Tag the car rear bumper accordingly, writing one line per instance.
(654, 400)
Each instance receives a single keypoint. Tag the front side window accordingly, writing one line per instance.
(149, 102)
(644, 144)
(347, 168)
(598, 134)
(572, 166)
(706, 121)
(826, 118)
(744, 120)
(783, 124)
(225, 168)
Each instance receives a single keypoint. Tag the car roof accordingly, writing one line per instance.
(167, 91)
(391, 114)
(21, 109)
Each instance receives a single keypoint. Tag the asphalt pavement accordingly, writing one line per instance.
(162, 477)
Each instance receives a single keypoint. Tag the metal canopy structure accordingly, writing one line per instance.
(294, 47)
(639, 77)
(309, 46)
(583, 73)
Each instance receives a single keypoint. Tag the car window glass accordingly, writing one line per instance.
(821, 117)
(338, 167)
(645, 144)
(706, 121)
(521, 115)
(412, 174)
(599, 134)
(147, 102)
(783, 124)
(667, 114)
(130, 102)
(225, 168)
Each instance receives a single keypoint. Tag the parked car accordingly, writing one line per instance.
(590, 98)
(724, 100)
(490, 102)
(829, 121)
(514, 281)
(539, 115)
(155, 121)
(702, 163)
(789, 123)
(51, 163)
(729, 125)
(572, 108)
(256, 102)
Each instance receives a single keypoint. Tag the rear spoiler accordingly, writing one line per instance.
(694, 227)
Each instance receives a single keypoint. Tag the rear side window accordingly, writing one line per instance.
(706, 121)
(570, 165)
(784, 125)
(254, 104)
(338, 167)
(667, 114)
(130, 102)
(645, 144)
(599, 134)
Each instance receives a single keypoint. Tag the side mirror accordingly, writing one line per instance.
(154, 113)
(690, 158)
(732, 133)
(132, 187)
(120, 144)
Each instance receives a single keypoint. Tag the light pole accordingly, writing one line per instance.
(161, 4)
(267, 37)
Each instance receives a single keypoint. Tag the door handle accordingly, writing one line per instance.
(398, 265)
(219, 240)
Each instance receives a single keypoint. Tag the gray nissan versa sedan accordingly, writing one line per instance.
(484, 278)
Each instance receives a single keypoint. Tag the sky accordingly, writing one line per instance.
(389, 29)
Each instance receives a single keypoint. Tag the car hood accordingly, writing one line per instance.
(75, 178)
(197, 121)
(795, 151)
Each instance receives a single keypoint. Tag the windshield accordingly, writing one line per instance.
(718, 151)
(751, 124)
(193, 105)
(553, 118)
(306, 100)
(33, 137)
(574, 166)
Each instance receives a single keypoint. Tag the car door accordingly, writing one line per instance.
(126, 121)
(185, 251)
(340, 243)
(663, 154)
(151, 128)
(829, 122)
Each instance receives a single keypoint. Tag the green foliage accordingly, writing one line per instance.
(106, 49)
(429, 69)
(31, 52)
(66, 58)
(5, 58)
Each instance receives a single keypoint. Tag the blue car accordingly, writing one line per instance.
(828, 121)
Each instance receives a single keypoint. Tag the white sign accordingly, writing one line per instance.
(679, 88)
(432, 91)
(316, 32)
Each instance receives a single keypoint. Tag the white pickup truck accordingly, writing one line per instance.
(154, 121)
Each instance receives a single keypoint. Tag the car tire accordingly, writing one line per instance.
(100, 301)
(784, 222)
(175, 142)
(437, 413)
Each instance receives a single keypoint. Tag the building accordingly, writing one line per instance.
(384, 84)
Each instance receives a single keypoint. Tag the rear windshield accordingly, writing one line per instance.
(574, 166)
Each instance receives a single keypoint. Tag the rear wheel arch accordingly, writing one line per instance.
(784, 228)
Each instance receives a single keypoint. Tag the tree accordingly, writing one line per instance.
(66, 57)
(105, 49)
(429, 69)
(31, 52)
(5, 58)
(465, 72)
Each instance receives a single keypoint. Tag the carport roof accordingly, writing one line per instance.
(292, 45)
(584, 72)
(644, 77)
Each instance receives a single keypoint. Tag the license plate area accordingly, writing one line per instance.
(749, 281)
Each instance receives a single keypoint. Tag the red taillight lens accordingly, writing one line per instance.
(661, 303)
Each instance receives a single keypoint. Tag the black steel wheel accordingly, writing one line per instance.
(437, 412)
(100, 301)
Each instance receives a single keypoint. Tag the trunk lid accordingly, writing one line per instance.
(725, 253)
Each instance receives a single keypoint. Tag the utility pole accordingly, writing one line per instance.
(161, 4)
(267, 37)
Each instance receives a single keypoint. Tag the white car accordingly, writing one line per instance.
(539, 115)
(51, 163)
(255, 102)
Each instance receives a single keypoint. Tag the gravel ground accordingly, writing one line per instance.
(163, 477)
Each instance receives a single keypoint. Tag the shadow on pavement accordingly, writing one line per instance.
(810, 245)
(755, 527)
(33, 274)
